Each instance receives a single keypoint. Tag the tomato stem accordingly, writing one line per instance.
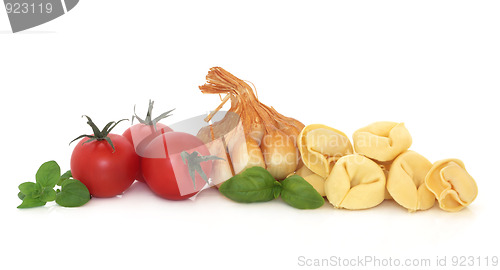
(99, 135)
(149, 119)
(193, 161)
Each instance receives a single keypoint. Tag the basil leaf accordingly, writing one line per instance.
(29, 202)
(254, 184)
(48, 194)
(298, 193)
(73, 193)
(67, 175)
(37, 191)
(48, 174)
(27, 187)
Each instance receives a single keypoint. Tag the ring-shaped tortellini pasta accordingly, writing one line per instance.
(452, 185)
(321, 146)
(356, 182)
(406, 182)
(382, 141)
(385, 166)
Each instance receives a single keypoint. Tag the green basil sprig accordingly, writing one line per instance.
(72, 193)
(298, 193)
(256, 184)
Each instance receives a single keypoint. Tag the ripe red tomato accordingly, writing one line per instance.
(105, 172)
(165, 171)
(140, 135)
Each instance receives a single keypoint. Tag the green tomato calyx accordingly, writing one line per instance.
(193, 161)
(149, 120)
(99, 135)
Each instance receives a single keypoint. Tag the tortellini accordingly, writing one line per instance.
(321, 146)
(382, 141)
(355, 182)
(315, 180)
(406, 182)
(380, 167)
(385, 166)
(452, 185)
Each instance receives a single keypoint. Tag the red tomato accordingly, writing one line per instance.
(164, 169)
(140, 135)
(105, 172)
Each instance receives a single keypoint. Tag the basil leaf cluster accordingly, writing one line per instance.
(256, 184)
(72, 193)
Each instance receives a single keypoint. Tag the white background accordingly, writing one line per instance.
(431, 64)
